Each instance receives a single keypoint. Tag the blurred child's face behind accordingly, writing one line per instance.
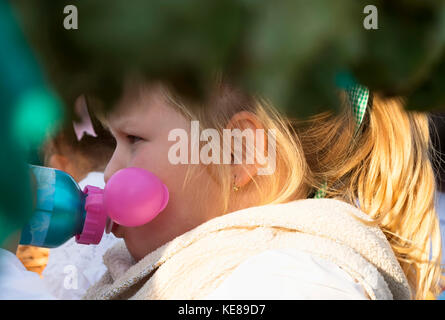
(140, 124)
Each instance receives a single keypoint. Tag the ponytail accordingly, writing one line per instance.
(385, 169)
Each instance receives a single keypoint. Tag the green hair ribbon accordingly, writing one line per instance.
(358, 97)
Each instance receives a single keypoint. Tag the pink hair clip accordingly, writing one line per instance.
(85, 125)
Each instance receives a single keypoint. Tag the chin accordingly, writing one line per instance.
(134, 252)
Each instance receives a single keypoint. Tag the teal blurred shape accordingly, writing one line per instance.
(28, 111)
(344, 80)
(36, 113)
(59, 212)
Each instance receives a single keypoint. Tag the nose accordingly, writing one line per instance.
(113, 165)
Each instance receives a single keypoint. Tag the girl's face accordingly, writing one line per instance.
(141, 124)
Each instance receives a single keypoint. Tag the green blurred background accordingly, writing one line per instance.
(293, 53)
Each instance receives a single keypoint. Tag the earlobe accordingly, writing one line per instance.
(244, 172)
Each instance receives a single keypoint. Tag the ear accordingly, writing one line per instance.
(63, 163)
(58, 161)
(248, 124)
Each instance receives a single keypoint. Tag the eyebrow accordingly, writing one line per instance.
(120, 124)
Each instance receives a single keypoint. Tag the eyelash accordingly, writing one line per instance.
(133, 139)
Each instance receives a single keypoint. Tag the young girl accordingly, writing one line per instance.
(229, 232)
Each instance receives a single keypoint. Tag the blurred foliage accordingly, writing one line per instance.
(288, 51)
(294, 53)
(28, 111)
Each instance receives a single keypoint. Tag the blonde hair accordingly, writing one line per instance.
(384, 169)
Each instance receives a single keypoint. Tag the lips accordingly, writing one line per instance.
(109, 225)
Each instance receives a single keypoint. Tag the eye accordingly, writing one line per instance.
(133, 139)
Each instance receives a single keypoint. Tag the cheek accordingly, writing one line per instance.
(183, 213)
(154, 158)
(151, 155)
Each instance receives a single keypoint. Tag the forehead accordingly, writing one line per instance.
(135, 104)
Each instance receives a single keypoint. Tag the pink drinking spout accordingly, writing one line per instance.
(132, 197)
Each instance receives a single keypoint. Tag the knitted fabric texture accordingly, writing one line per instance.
(194, 264)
